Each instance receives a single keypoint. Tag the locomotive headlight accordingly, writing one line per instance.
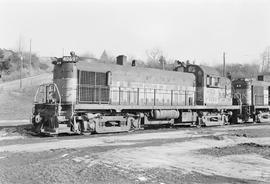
(38, 119)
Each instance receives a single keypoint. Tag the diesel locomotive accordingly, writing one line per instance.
(88, 95)
(253, 96)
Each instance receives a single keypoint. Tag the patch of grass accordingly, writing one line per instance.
(17, 104)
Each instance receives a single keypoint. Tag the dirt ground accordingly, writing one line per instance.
(226, 154)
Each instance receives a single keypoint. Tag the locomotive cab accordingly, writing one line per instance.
(213, 93)
(212, 89)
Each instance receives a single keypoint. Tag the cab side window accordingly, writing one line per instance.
(208, 80)
(212, 81)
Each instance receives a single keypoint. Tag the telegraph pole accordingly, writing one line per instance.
(30, 57)
(224, 65)
(268, 58)
(262, 64)
(21, 60)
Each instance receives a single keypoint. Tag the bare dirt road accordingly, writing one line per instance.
(26, 82)
(228, 154)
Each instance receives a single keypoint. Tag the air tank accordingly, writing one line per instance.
(165, 114)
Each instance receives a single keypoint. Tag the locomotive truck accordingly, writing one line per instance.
(88, 95)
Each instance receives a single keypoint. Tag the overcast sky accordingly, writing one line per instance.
(185, 29)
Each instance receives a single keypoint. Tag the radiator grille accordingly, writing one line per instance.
(100, 79)
(93, 87)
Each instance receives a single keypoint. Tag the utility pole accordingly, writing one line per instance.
(224, 65)
(30, 57)
(262, 69)
(21, 60)
(268, 58)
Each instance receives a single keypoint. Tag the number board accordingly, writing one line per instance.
(70, 58)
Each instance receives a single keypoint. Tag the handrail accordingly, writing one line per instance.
(60, 100)
(35, 98)
(58, 92)
(148, 93)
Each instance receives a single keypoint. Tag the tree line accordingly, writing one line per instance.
(155, 58)
(14, 65)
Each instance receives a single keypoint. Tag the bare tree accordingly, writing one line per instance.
(154, 54)
(238, 70)
(155, 58)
